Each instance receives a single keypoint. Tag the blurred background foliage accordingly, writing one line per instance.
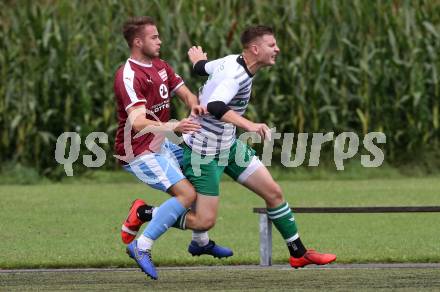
(345, 65)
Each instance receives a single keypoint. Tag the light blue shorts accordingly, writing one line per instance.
(159, 170)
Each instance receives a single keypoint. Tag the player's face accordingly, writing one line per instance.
(268, 50)
(150, 42)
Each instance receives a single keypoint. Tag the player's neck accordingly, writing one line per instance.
(251, 63)
(141, 58)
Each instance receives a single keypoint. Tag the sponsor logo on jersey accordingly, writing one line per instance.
(163, 91)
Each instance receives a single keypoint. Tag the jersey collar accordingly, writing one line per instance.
(140, 64)
(240, 60)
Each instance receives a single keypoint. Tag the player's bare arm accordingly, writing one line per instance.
(260, 128)
(139, 122)
(190, 100)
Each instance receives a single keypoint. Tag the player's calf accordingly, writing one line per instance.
(284, 221)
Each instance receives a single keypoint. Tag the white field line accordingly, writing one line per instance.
(238, 267)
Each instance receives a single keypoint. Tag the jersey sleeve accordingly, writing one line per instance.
(211, 65)
(127, 89)
(175, 81)
(225, 91)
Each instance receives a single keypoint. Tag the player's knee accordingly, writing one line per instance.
(210, 224)
(275, 195)
(191, 197)
(187, 198)
(207, 223)
(278, 192)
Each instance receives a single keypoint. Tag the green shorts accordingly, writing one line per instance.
(204, 172)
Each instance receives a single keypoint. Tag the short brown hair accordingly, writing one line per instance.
(132, 28)
(253, 32)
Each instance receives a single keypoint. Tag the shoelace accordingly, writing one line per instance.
(148, 252)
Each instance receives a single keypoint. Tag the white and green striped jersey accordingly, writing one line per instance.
(229, 81)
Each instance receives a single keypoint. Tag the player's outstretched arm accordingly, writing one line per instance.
(260, 128)
(141, 125)
(199, 60)
(222, 112)
(190, 100)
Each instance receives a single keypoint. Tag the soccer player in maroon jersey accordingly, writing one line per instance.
(143, 88)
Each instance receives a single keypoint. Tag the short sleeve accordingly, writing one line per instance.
(225, 91)
(127, 89)
(174, 80)
(211, 65)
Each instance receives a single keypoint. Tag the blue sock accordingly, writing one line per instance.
(165, 217)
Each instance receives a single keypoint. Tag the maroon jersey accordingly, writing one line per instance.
(151, 85)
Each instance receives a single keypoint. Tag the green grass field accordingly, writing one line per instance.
(77, 225)
(228, 280)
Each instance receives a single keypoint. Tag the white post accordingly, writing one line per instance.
(265, 241)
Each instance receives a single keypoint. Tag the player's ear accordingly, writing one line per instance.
(137, 42)
(254, 48)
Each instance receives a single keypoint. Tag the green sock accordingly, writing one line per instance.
(282, 218)
(181, 221)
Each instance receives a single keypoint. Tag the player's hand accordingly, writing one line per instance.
(196, 54)
(186, 126)
(261, 129)
(198, 110)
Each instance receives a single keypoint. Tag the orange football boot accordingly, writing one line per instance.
(312, 257)
(131, 225)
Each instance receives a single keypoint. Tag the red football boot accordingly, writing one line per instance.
(131, 225)
(312, 257)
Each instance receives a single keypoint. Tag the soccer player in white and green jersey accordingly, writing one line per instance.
(212, 149)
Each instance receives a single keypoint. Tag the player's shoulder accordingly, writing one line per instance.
(231, 60)
(128, 67)
(231, 64)
(119, 73)
(232, 57)
(129, 72)
(159, 63)
(120, 68)
(228, 67)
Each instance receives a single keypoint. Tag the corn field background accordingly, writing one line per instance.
(348, 65)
